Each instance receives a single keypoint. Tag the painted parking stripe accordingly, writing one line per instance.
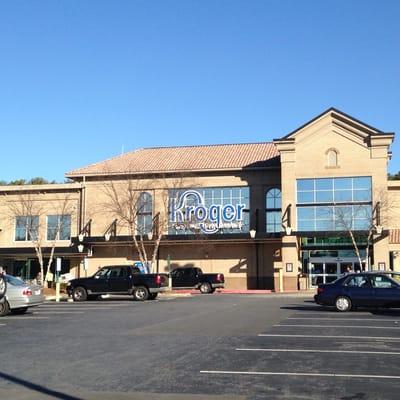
(310, 374)
(345, 319)
(12, 318)
(59, 312)
(75, 308)
(339, 326)
(329, 336)
(323, 351)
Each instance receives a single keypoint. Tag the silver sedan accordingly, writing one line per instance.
(19, 296)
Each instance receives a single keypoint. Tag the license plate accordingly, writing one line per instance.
(38, 291)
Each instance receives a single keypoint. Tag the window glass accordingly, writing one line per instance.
(58, 227)
(362, 182)
(305, 212)
(381, 281)
(305, 197)
(324, 184)
(343, 195)
(362, 195)
(274, 198)
(324, 196)
(26, 228)
(144, 213)
(343, 183)
(358, 281)
(305, 184)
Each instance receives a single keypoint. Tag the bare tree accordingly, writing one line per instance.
(141, 207)
(367, 219)
(30, 213)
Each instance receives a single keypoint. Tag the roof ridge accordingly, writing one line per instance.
(205, 145)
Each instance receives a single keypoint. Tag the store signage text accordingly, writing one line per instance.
(207, 219)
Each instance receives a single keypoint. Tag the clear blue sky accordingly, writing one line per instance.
(80, 80)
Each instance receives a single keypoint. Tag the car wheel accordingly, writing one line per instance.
(3, 287)
(79, 294)
(19, 311)
(205, 287)
(140, 293)
(343, 304)
(4, 308)
(153, 296)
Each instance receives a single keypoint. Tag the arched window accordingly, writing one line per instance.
(273, 210)
(332, 158)
(144, 213)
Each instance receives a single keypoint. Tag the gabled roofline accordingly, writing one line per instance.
(330, 110)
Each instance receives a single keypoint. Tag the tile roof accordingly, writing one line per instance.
(186, 158)
(394, 236)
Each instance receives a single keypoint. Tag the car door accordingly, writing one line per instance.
(177, 278)
(118, 280)
(359, 289)
(386, 291)
(99, 282)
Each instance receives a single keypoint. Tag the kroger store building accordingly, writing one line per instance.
(266, 215)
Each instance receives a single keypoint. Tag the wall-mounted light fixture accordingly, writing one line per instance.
(252, 233)
(80, 247)
(150, 235)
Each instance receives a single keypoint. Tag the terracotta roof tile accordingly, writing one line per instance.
(186, 158)
(394, 236)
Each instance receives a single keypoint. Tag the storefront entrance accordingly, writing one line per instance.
(327, 269)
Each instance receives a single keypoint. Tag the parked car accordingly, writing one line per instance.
(118, 279)
(193, 278)
(20, 296)
(368, 289)
(3, 287)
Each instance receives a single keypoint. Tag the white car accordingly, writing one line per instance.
(20, 296)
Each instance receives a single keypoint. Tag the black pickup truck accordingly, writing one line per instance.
(192, 277)
(118, 279)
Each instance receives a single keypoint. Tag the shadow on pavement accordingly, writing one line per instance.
(38, 388)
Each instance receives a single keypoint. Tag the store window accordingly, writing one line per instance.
(334, 204)
(273, 210)
(144, 222)
(58, 227)
(26, 228)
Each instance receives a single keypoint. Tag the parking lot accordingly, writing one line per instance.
(200, 347)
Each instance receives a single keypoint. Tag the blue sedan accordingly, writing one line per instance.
(369, 289)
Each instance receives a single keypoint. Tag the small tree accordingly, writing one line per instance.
(366, 219)
(133, 202)
(30, 213)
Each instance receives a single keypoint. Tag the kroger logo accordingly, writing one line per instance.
(208, 219)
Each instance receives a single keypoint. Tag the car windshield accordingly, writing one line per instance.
(12, 280)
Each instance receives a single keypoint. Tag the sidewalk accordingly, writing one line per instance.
(50, 294)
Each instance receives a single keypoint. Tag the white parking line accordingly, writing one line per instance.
(340, 326)
(329, 336)
(12, 318)
(346, 319)
(311, 374)
(59, 312)
(75, 308)
(323, 351)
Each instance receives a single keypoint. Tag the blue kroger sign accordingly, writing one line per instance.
(189, 212)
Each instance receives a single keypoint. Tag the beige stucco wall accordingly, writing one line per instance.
(304, 155)
(40, 200)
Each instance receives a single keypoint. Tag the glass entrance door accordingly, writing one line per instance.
(325, 269)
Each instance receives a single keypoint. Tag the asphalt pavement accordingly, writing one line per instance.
(200, 347)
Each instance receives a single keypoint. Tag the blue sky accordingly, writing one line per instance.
(82, 80)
